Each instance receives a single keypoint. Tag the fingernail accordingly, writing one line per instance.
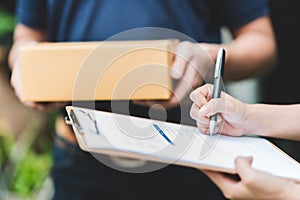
(250, 159)
(192, 96)
(175, 74)
(203, 110)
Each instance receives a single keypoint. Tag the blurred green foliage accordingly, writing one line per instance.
(27, 176)
(7, 24)
(6, 144)
(31, 173)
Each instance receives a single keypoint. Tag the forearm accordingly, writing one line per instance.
(280, 121)
(294, 192)
(251, 53)
(23, 35)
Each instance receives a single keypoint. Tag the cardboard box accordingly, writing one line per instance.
(110, 70)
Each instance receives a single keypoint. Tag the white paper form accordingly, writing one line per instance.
(175, 143)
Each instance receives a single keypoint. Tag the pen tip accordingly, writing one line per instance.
(212, 126)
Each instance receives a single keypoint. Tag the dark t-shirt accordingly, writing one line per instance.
(81, 20)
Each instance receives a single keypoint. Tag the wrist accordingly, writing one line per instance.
(211, 50)
(253, 123)
(291, 190)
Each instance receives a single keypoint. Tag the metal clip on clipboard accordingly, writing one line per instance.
(118, 161)
(86, 118)
(74, 122)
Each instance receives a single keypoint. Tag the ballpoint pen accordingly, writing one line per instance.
(161, 132)
(219, 70)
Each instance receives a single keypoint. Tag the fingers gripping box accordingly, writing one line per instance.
(109, 70)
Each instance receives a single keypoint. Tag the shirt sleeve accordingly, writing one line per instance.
(236, 13)
(32, 13)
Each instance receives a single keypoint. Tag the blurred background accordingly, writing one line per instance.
(25, 134)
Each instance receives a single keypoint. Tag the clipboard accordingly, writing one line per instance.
(164, 142)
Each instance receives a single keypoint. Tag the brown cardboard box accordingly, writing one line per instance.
(110, 70)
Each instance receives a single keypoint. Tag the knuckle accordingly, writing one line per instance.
(203, 130)
(228, 194)
(192, 113)
(201, 127)
(249, 180)
(184, 44)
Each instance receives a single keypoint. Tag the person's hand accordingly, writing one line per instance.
(253, 184)
(232, 118)
(17, 85)
(191, 64)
